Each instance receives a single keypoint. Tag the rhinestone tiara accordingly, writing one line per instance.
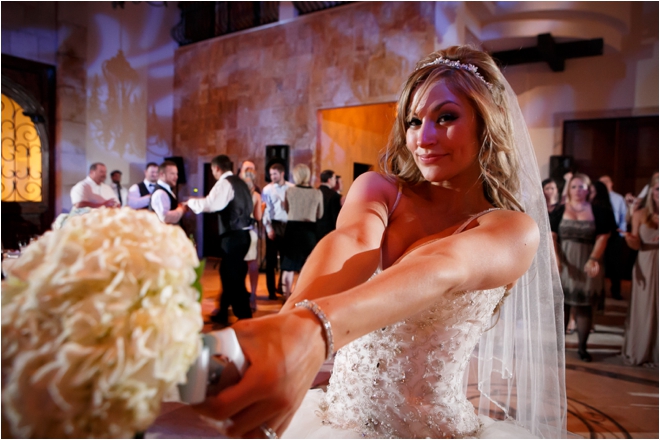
(457, 65)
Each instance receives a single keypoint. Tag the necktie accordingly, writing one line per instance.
(151, 187)
(119, 194)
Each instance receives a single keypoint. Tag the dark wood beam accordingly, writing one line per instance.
(549, 51)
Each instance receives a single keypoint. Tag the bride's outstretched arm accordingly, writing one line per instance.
(493, 254)
(349, 255)
(287, 350)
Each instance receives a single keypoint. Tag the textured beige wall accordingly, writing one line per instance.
(236, 94)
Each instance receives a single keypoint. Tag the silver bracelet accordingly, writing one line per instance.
(327, 328)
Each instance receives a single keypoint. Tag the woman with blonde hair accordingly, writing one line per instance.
(640, 346)
(430, 257)
(580, 231)
(304, 206)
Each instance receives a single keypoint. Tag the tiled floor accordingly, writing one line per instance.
(606, 399)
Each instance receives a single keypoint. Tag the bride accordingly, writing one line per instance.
(445, 250)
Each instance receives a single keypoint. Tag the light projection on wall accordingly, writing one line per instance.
(116, 111)
(21, 155)
(130, 75)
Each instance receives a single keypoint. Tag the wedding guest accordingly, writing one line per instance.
(412, 278)
(551, 194)
(304, 206)
(564, 192)
(339, 187)
(274, 220)
(246, 165)
(231, 199)
(618, 204)
(640, 346)
(248, 175)
(92, 192)
(580, 232)
(115, 184)
(139, 194)
(163, 200)
(614, 262)
(635, 203)
(331, 204)
(600, 198)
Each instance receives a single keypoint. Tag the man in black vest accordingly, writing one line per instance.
(232, 200)
(163, 201)
(139, 194)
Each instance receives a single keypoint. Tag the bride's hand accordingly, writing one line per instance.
(285, 352)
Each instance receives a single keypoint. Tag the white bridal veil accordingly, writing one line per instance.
(520, 361)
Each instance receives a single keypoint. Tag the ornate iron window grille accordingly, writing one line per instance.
(21, 154)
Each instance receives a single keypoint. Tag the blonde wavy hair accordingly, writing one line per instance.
(301, 174)
(497, 157)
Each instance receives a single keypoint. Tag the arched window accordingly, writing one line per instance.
(21, 155)
(27, 173)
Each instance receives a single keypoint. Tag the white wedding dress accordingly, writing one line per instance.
(406, 380)
(403, 381)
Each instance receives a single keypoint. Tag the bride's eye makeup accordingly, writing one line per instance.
(413, 121)
(447, 117)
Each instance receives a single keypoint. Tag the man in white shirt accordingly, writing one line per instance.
(92, 192)
(232, 200)
(115, 184)
(614, 250)
(163, 200)
(139, 194)
(274, 219)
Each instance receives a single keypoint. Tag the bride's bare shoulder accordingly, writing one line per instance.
(511, 223)
(372, 185)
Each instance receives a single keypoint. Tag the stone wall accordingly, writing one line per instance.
(236, 94)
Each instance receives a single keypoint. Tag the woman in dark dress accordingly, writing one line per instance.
(580, 231)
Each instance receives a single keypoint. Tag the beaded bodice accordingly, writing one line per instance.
(406, 380)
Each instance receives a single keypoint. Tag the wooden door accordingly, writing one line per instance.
(626, 149)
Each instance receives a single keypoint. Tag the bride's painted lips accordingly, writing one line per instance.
(430, 158)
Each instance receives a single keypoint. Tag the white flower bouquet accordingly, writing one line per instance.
(99, 320)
